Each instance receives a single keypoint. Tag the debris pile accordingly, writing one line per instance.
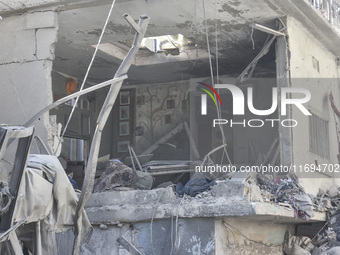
(283, 190)
(327, 240)
(117, 175)
(327, 201)
(297, 245)
(325, 243)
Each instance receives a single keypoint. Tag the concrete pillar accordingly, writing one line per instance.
(285, 133)
(26, 57)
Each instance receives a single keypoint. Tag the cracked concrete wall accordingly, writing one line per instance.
(26, 59)
(194, 236)
(205, 236)
(313, 67)
(187, 225)
(247, 237)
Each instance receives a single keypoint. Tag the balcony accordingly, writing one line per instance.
(330, 10)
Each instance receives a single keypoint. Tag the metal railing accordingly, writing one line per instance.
(330, 9)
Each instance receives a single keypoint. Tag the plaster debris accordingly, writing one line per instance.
(282, 189)
(116, 175)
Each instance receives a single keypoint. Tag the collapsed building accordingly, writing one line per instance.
(145, 121)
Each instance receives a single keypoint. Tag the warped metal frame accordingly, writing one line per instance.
(90, 170)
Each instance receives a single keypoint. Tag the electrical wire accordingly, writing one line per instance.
(177, 214)
(153, 216)
(251, 37)
(218, 108)
(234, 230)
(171, 234)
(86, 75)
(21, 107)
(217, 64)
(208, 44)
(218, 77)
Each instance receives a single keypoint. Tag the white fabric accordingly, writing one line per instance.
(46, 194)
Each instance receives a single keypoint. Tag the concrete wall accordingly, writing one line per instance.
(205, 236)
(313, 67)
(26, 56)
(236, 236)
(221, 222)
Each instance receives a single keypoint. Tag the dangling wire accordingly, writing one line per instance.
(208, 45)
(217, 66)
(22, 109)
(218, 108)
(251, 37)
(86, 75)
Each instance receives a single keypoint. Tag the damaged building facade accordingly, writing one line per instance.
(161, 125)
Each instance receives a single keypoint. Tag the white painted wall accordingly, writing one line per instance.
(26, 55)
(303, 48)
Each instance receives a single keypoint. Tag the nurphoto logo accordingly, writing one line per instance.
(239, 104)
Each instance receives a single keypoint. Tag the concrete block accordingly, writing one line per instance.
(228, 189)
(18, 47)
(24, 49)
(20, 6)
(46, 39)
(133, 197)
(32, 82)
(44, 19)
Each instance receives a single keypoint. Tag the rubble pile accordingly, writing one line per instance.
(284, 190)
(329, 237)
(327, 201)
(117, 175)
(325, 243)
(297, 245)
(287, 191)
(281, 190)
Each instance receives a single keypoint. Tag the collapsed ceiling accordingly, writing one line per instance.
(228, 25)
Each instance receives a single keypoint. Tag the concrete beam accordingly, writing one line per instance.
(224, 200)
(36, 20)
(10, 7)
(145, 57)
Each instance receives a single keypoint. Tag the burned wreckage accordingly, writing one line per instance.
(133, 200)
